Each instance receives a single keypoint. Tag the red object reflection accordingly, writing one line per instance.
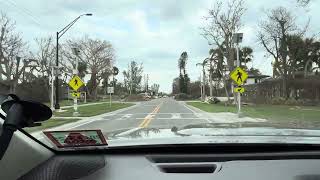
(76, 138)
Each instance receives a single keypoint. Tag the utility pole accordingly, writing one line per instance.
(204, 82)
(52, 87)
(147, 83)
(201, 93)
(130, 80)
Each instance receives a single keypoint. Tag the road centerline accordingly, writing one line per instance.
(146, 121)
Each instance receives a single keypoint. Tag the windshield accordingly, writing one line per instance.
(168, 72)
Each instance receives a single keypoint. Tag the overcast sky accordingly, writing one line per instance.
(154, 33)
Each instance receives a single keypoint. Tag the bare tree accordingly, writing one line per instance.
(12, 66)
(223, 21)
(303, 3)
(133, 77)
(99, 56)
(274, 36)
(155, 88)
(45, 56)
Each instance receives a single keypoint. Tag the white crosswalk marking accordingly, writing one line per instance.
(175, 116)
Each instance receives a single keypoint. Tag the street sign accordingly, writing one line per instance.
(110, 90)
(75, 83)
(75, 94)
(239, 89)
(238, 75)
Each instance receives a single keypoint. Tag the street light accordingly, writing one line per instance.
(59, 34)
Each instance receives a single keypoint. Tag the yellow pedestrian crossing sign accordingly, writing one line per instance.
(238, 75)
(75, 83)
(239, 89)
(75, 94)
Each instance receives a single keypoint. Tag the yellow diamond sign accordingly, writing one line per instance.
(238, 75)
(75, 83)
(239, 89)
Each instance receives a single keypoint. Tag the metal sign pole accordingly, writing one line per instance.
(110, 100)
(238, 93)
(75, 106)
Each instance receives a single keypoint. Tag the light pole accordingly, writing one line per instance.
(59, 34)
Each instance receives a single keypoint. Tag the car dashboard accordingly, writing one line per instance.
(177, 166)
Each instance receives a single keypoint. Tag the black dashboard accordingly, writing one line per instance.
(297, 165)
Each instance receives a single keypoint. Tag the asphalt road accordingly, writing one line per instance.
(158, 113)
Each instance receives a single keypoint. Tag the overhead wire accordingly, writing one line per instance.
(23, 10)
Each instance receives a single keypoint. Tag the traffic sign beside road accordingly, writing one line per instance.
(110, 90)
(239, 89)
(75, 94)
(238, 75)
(75, 83)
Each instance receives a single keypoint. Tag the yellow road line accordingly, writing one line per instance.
(146, 121)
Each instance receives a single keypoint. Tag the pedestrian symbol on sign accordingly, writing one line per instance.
(75, 83)
(238, 76)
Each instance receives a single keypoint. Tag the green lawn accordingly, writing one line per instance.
(50, 124)
(269, 112)
(92, 110)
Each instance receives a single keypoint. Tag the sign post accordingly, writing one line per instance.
(75, 83)
(238, 75)
(110, 90)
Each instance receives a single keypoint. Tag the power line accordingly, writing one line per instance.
(23, 10)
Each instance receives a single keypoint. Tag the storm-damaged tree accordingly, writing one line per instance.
(13, 63)
(183, 76)
(216, 70)
(133, 77)
(275, 34)
(222, 22)
(303, 3)
(45, 57)
(245, 55)
(97, 54)
(155, 88)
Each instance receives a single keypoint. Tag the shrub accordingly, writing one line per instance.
(291, 102)
(212, 100)
(182, 96)
(278, 100)
(135, 97)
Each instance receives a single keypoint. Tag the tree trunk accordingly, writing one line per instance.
(13, 86)
(92, 86)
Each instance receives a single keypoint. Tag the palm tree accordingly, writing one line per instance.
(203, 64)
(182, 62)
(246, 55)
(182, 68)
